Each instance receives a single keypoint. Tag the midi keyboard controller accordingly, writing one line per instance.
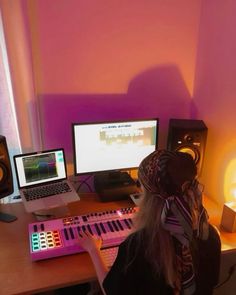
(58, 237)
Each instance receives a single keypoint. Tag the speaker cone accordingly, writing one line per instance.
(3, 173)
(191, 151)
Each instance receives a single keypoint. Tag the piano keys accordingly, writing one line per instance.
(58, 237)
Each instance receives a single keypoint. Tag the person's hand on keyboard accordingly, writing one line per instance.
(89, 242)
(92, 245)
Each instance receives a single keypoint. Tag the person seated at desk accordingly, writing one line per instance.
(173, 249)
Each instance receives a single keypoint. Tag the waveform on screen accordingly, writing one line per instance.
(40, 167)
(141, 136)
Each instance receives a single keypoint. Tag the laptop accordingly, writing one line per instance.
(42, 180)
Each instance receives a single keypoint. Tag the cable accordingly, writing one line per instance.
(84, 182)
(43, 215)
(230, 273)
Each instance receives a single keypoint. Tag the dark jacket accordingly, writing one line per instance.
(139, 279)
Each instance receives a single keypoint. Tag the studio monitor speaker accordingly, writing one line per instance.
(6, 181)
(188, 136)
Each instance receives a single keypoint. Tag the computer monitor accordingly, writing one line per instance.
(102, 148)
(111, 146)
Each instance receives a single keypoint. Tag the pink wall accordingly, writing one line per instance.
(157, 93)
(99, 46)
(215, 96)
(98, 60)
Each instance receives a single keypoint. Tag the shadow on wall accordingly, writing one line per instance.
(159, 92)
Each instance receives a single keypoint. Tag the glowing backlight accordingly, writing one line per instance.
(45, 240)
(119, 213)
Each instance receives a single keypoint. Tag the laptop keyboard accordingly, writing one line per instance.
(46, 191)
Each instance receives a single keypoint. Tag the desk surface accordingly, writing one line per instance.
(19, 275)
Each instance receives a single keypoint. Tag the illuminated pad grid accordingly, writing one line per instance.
(45, 240)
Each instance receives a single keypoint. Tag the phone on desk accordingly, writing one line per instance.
(7, 217)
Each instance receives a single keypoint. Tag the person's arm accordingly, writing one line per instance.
(92, 245)
(100, 267)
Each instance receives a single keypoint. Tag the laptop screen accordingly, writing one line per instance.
(41, 167)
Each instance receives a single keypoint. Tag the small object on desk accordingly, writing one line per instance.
(16, 197)
(228, 220)
(7, 217)
(136, 198)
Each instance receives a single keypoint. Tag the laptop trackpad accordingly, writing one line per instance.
(52, 202)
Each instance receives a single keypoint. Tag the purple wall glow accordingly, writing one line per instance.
(157, 93)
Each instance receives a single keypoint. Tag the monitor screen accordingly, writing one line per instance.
(41, 167)
(110, 146)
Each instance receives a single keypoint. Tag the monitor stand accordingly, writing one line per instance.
(114, 186)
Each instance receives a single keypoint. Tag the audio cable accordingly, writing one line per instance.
(230, 273)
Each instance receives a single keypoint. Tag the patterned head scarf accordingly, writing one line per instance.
(171, 177)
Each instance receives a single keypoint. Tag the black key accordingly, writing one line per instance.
(130, 220)
(83, 228)
(84, 218)
(119, 224)
(102, 227)
(110, 226)
(35, 228)
(90, 230)
(115, 226)
(127, 223)
(79, 230)
(97, 229)
(66, 234)
(42, 226)
(71, 232)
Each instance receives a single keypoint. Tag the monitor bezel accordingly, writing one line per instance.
(108, 122)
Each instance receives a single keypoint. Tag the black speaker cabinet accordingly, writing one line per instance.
(188, 136)
(6, 182)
